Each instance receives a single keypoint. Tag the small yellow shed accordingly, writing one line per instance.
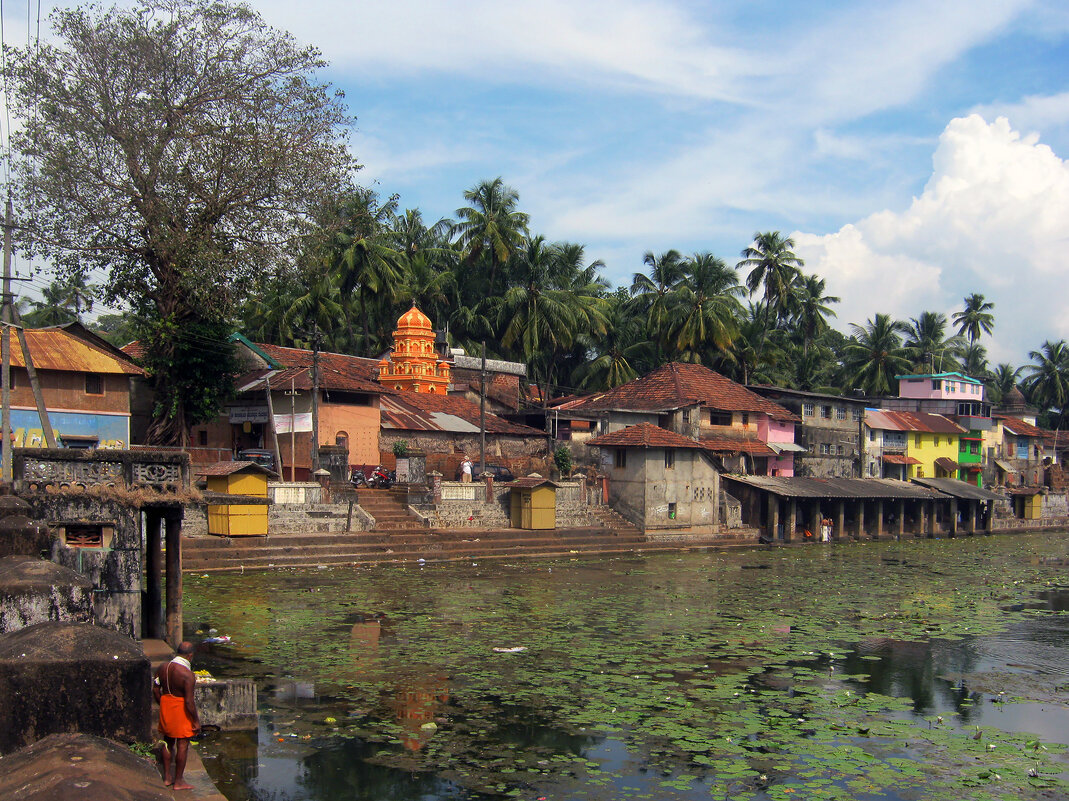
(239, 519)
(533, 503)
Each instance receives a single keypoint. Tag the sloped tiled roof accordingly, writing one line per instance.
(338, 363)
(678, 384)
(57, 349)
(923, 422)
(728, 441)
(301, 378)
(229, 468)
(1019, 427)
(419, 411)
(644, 435)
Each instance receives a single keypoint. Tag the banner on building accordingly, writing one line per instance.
(285, 423)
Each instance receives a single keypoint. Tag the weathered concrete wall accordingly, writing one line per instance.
(689, 489)
(227, 703)
(730, 511)
(115, 568)
(498, 446)
(80, 767)
(464, 506)
(69, 677)
(35, 591)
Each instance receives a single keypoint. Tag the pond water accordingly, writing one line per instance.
(892, 670)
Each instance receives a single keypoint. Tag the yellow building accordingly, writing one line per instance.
(927, 444)
(414, 365)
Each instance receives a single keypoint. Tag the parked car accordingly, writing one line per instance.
(499, 472)
(260, 456)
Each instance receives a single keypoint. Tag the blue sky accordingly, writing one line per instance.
(915, 150)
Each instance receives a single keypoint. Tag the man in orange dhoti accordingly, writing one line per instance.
(173, 689)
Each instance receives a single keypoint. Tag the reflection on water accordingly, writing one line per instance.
(709, 675)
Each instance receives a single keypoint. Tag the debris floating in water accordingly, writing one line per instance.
(515, 650)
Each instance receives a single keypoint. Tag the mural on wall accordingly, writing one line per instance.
(109, 430)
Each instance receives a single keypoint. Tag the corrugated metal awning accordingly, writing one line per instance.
(943, 463)
(899, 458)
(1005, 466)
(786, 447)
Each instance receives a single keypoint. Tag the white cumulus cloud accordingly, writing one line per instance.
(993, 218)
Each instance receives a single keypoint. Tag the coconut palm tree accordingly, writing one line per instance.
(705, 310)
(773, 264)
(875, 354)
(974, 360)
(1047, 379)
(930, 349)
(1001, 382)
(811, 309)
(491, 226)
(622, 352)
(54, 308)
(975, 318)
(652, 293)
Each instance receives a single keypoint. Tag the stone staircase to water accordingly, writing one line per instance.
(400, 537)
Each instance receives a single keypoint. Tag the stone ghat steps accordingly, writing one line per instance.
(372, 547)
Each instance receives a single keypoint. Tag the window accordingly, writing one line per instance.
(917, 440)
(840, 450)
(807, 410)
(746, 418)
(202, 438)
(872, 435)
(686, 417)
(619, 458)
(94, 384)
(671, 511)
(719, 418)
(825, 449)
(858, 415)
(840, 413)
(825, 411)
(936, 383)
(669, 458)
(84, 536)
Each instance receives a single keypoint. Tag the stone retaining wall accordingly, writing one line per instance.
(464, 505)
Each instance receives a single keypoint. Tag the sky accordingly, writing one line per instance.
(915, 151)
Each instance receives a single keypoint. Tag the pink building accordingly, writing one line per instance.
(940, 386)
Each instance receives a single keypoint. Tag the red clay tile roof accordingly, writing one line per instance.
(644, 435)
(732, 442)
(923, 422)
(678, 384)
(1019, 427)
(358, 366)
(135, 350)
(417, 411)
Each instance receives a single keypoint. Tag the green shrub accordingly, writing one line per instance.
(562, 458)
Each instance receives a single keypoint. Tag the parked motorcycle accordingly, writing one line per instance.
(381, 478)
(357, 478)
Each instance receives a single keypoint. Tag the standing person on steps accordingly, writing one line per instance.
(173, 689)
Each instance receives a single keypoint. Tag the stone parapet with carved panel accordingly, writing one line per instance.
(39, 468)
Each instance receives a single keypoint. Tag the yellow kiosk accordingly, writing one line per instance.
(246, 479)
(533, 502)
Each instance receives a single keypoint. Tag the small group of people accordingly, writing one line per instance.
(173, 690)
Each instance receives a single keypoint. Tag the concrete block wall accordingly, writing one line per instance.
(574, 504)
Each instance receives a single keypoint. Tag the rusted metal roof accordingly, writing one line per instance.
(56, 349)
(899, 458)
(946, 464)
(923, 422)
(860, 488)
(958, 489)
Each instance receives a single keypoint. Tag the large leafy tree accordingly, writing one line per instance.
(875, 354)
(975, 318)
(180, 146)
(1047, 377)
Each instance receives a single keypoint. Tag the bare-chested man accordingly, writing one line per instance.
(173, 689)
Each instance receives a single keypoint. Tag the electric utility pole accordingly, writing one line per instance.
(6, 474)
(315, 400)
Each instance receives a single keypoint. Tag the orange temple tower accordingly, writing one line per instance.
(414, 365)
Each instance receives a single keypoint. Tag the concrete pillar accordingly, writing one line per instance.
(972, 516)
(792, 520)
(436, 486)
(879, 520)
(773, 516)
(489, 477)
(815, 521)
(931, 518)
(152, 614)
(953, 517)
(860, 521)
(840, 521)
(989, 520)
(921, 522)
(900, 518)
(174, 578)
